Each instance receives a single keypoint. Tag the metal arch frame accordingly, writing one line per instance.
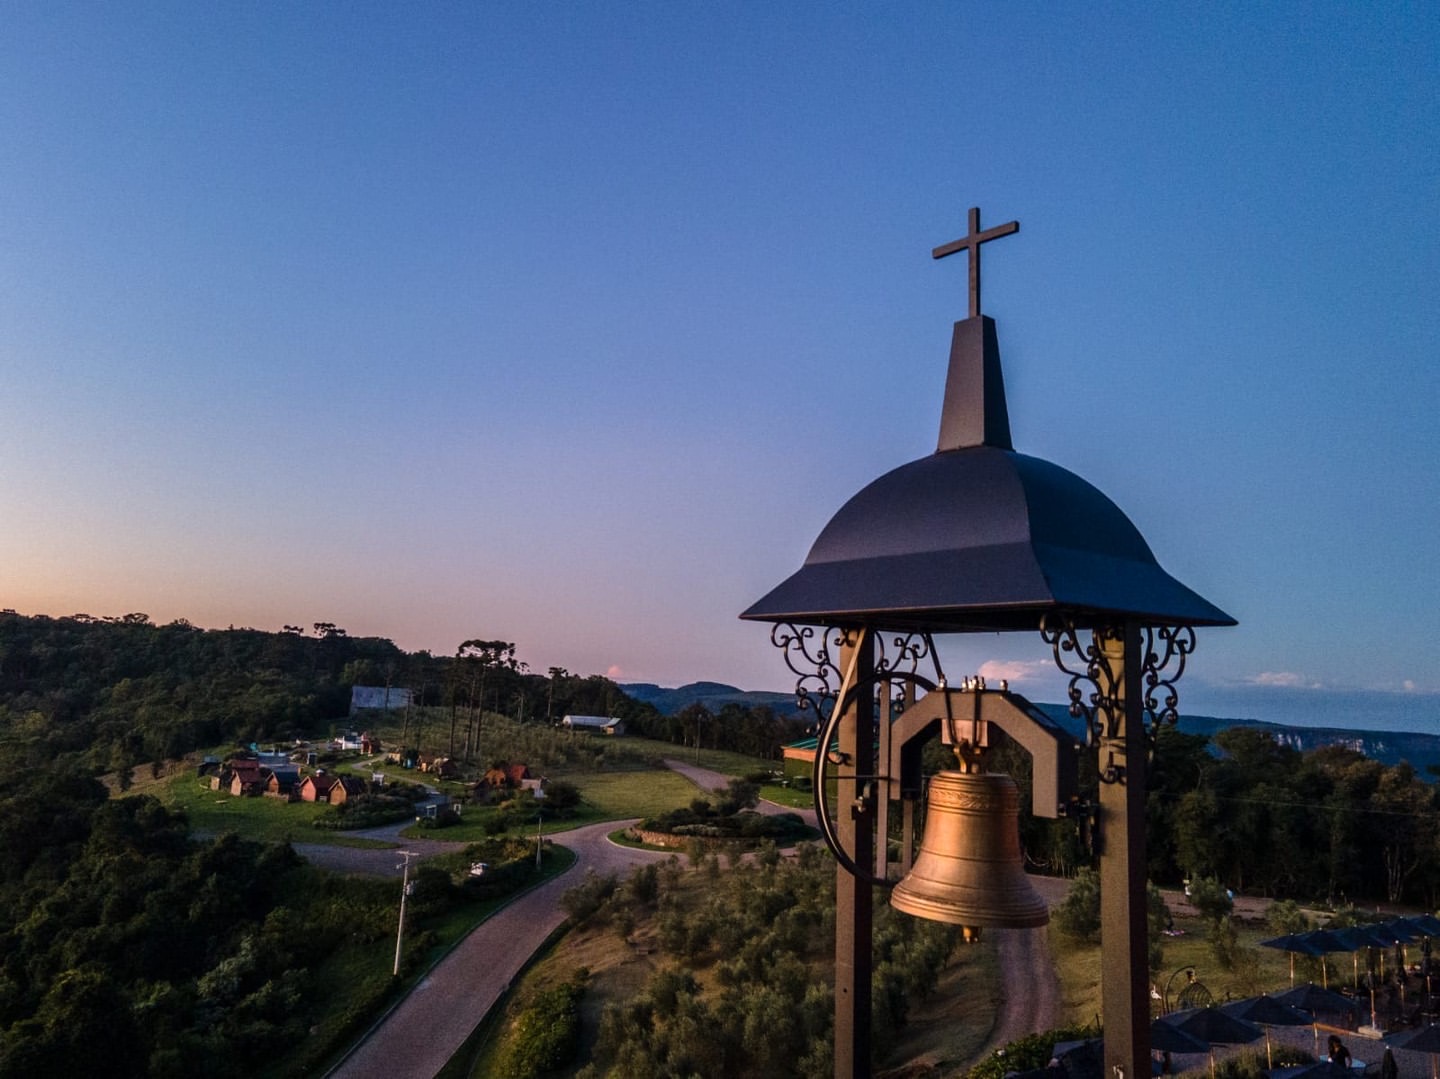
(1053, 752)
(832, 722)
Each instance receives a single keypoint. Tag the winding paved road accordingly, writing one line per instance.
(420, 1035)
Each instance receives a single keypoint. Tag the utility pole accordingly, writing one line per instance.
(539, 842)
(404, 891)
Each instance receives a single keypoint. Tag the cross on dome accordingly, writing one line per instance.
(972, 244)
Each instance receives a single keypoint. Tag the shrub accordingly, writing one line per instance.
(1286, 916)
(1208, 896)
(1028, 1053)
(1078, 915)
(584, 901)
(561, 796)
(544, 1036)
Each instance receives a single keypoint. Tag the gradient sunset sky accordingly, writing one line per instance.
(573, 324)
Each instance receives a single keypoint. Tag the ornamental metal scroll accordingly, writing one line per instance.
(899, 672)
(1161, 702)
(1094, 692)
(812, 653)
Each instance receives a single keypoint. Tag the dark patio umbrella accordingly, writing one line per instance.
(1214, 1027)
(1165, 1038)
(1359, 937)
(1313, 999)
(1425, 924)
(1420, 1040)
(1396, 931)
(1316, 1001)
(1294, 943)
(1081, 1059)
(1268, 1012)
(1326, 940)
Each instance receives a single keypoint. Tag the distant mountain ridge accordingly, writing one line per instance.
(1387, 747)
(713, 695)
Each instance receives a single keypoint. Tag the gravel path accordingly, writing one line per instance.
(707, 781)
(1030, 991)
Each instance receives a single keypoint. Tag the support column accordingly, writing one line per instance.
(854, 897)
(1124, 930)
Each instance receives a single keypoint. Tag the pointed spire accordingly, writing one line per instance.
(974, 413)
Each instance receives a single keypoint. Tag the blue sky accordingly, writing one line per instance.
(573, 324)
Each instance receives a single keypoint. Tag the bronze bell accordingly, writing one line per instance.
(969, 870)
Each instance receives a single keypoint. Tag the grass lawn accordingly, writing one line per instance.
(789, 796)
(621, 795)
(1257, 970)
(605, 796)
(266, 819)
(717, 760)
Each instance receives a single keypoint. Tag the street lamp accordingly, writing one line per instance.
(404, 892)
(979, 538)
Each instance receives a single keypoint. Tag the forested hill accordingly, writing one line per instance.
(1387, 747)
(106, 693)
(713, 695)
(1421, 751)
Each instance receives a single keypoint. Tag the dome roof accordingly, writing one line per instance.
(981, 538)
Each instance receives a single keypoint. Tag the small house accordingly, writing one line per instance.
(596, 724)
(441, 767)
(247, 778)
(281, 781)
(331, 789)
(496, 778)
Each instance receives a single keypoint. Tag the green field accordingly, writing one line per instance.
(1257, 970)
(267, 819)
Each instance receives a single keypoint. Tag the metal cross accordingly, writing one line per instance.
(972, 244)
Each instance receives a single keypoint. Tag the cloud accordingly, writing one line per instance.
(1288, 679)
(1016, 671)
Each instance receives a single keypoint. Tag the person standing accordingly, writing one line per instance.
(1339, 1055)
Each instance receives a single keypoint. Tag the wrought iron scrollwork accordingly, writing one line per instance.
(1162, 646)
(1093, 689)
(898, 671)
(811, 653)
(1095, 694)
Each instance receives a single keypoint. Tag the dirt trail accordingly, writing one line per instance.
(1030, 990)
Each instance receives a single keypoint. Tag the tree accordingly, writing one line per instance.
(556, 673)
(1409, 830)
(482, 658)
